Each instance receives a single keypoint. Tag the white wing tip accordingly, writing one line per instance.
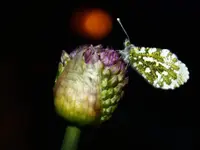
(183, 75)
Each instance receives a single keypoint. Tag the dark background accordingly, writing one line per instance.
(33, 35)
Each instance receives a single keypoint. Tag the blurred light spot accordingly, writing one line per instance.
(92, 23)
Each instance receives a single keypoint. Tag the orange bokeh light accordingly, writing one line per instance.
(92, 23)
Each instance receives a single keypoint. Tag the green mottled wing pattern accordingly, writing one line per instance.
(65, 58)
(160, 67)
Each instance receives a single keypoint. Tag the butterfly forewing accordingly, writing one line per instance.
(160, 67)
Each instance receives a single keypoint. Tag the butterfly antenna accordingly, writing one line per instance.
(118, 19)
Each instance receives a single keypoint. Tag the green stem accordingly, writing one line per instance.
(71, 138)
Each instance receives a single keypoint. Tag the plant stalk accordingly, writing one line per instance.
(71, 138)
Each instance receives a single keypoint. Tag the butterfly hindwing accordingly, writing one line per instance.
(160, 67)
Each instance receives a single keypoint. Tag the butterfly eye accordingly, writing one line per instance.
(127, 43)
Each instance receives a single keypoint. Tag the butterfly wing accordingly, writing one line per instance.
(160, 67)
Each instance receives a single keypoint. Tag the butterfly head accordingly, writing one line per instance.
(127, 43)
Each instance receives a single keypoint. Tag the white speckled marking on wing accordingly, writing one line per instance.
(160, 67)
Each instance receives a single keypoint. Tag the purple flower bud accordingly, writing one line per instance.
(91, 55)
(109, 57)
(73, 53)
(90, 88)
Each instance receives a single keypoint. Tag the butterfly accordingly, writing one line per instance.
(160, 67)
